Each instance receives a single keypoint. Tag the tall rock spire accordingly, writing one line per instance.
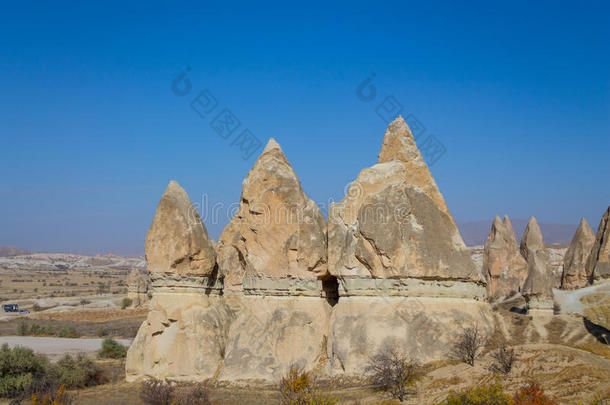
(277, 231)
(598, 264)
(394, 223)
(503, 265)
(538, 286)
(575, 260)
(399, 146)
(177, 241)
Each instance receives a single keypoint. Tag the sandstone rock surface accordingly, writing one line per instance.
(137, 286)
(575, 260)
(393, 221)
(538, 286)
(598, 264)
(177, 241)
(503, 265)
(278, 231)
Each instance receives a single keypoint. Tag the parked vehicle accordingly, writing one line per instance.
(10, 307)
(24, 311)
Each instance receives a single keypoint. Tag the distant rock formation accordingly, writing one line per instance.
(538, 286)
(598, 264)
(177, 242)
(11, 251)
(278, 232)
(575, 260)
(503, 265)
(138, 283)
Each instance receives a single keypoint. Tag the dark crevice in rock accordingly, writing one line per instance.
(330, 286)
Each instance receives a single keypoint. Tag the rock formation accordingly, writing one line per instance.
(503, 265)
(598, 264)
(177, 242)
(538, 286)
(394, 223)
(575, 260)
(278, 232)
(273, 258)
(405, 276)
(182, 336)
(137, 286)
(278, 292)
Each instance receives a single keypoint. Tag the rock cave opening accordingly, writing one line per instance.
(330, 286)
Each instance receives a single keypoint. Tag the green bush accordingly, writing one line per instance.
(68, 332)
(20, 368)
(77, 372)
(23, 329)
(126, 303)
(111, 349)
(492, 394)
(101, 332)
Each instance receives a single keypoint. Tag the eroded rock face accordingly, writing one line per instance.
(503, 265)
(598, 263)
(538, 286)
(177, 241)
(575, 260)
(184, 337)
(394, 223)
(278, 231)
(137, 286)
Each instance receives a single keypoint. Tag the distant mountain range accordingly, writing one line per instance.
(10, 251)
(475, 233)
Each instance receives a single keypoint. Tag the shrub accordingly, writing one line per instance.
(193, 395)
(84, 302)
(52, 397)
(36, 307)
(23, 329)
(101, 332)
(505, 358)
(68, 332)
(78, 372)
(126, 303)
(156, 392)
(393, 372)
(111, 349)
(468, 345)
(482, 395)
(532, 394)
(20, 368)
(297, 388)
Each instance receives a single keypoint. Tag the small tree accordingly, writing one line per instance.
(393, 372)
(84, 302)
(505, 358)
(468, 345)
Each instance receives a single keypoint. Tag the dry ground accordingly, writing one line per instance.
(568, 375)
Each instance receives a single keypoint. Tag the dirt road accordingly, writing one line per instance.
(57, 347)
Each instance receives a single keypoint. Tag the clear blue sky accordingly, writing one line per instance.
(518, 93)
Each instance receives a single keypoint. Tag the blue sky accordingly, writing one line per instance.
(518, 95)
